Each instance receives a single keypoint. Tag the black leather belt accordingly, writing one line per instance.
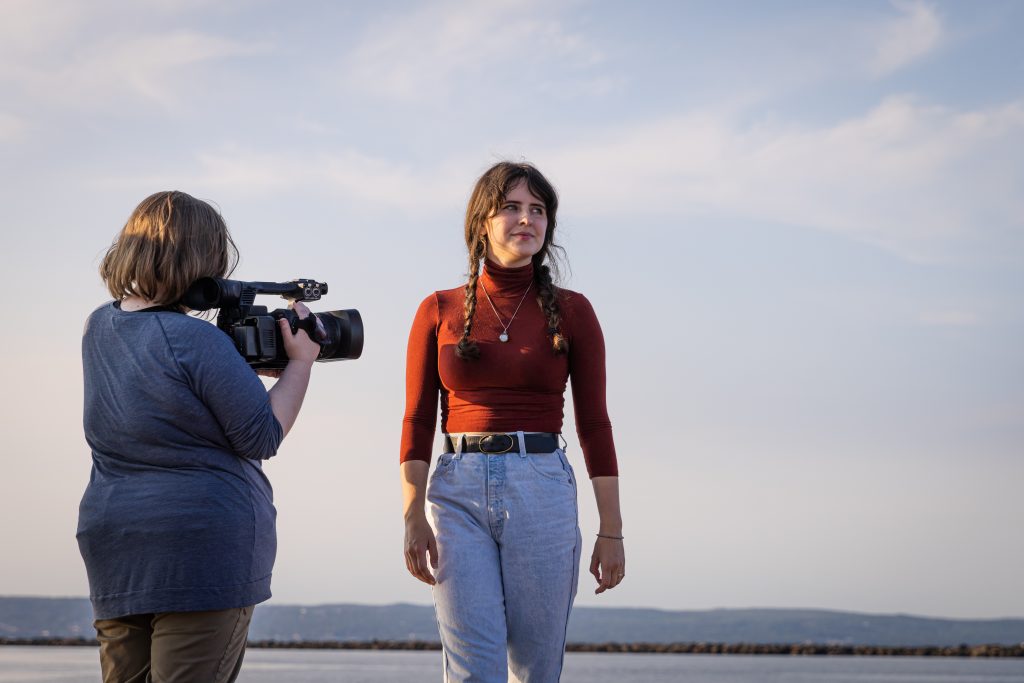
(494, 444)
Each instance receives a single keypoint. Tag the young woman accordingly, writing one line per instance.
(176, 526)
(505, 544)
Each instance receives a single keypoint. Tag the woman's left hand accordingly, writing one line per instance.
(608, 563)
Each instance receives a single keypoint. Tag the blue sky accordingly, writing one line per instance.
(801, 224)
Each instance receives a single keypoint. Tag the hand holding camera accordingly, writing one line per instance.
(298, 347)
(298, 342)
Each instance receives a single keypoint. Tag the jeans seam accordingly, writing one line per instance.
(573, 578)
(440, 635)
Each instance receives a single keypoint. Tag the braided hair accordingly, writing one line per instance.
(488, 195)
(467, 348)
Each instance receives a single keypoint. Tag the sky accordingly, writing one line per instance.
(801, 225)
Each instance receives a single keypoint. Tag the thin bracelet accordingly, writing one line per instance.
(617, 538)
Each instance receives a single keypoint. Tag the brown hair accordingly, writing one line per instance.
(171, 240)
(489, 194)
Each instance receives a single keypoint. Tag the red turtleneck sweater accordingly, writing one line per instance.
(516, 385)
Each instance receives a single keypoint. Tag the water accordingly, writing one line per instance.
(81, 665)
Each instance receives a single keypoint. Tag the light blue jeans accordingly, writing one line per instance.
(508, 563)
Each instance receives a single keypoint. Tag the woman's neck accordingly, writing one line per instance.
(136, 303)
(501, 280)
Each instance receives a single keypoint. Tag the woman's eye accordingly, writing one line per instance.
(539, 211)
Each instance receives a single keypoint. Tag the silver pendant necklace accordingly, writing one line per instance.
(503, 337)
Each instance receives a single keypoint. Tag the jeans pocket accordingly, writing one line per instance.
(552, 466)
(445, 464)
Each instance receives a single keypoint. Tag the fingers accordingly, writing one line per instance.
(286, 328)
(303, 312)
(595, 569)
(605, 582)
(286, 331)
(611, 575)
(610, 578)
(298, 346)
(608, 565)
(416, 560)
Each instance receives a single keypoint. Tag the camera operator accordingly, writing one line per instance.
(176, 525)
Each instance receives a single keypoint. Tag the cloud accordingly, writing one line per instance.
(349, 173)
(803, 51)
(97, 55)
(428, 54)
(907, 38)
(925, 182)
(31, 26)
(147, 66)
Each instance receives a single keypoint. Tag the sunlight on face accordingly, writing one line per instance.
(515, 232)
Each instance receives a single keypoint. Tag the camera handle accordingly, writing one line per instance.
(309, 323)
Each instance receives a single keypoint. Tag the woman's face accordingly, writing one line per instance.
(516, 230)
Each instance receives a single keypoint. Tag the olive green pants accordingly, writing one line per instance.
(174, 647)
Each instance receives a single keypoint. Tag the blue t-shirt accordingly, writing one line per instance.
(178, 515)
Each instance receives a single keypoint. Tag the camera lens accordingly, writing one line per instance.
(344, 339)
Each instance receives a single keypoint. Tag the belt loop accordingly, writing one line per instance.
(458, 446)
(522, 444)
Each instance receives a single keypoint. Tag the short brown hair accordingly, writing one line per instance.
(171, 240)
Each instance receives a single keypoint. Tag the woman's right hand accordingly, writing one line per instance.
(298, 345)
(419, 545)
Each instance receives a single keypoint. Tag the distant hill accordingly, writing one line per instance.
(25, 617)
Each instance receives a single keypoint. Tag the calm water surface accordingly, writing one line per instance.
(81, 665)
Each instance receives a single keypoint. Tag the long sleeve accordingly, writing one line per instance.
(422, 384)
(587, 374)
(231, 391)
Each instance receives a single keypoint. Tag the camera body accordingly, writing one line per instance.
(254, 329)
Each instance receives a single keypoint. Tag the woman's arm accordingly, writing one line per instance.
(608, 562)
(225, 384)
(587, 370)
(422, 385)
(419, 537)
(288, 392)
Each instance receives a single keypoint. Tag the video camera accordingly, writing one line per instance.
(255, 331)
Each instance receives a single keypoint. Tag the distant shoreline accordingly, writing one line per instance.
(777, 649)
